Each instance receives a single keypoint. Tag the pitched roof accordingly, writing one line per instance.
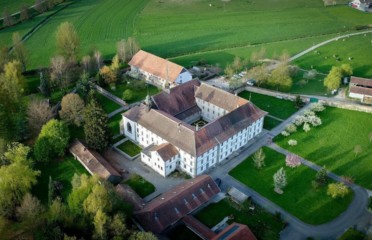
(198, 227)
(178, 100)
(361, 90)
(94, 162)
(361, 81)
(219, 97)
(156, 65)
(171, 206)
(235, 231)
(185, 136)
(166, 151)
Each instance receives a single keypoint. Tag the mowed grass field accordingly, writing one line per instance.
(100, 25)
(173, 28)
(358, 48)
(310, 205)
(332, 144)
(14, 5)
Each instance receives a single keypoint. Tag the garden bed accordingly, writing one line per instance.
(129, 148)
(142, 187)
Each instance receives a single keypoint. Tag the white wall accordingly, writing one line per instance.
(130, 134)
(356, 95)
(184, 77)
(210, 112)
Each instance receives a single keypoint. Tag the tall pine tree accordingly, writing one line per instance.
(96, 130)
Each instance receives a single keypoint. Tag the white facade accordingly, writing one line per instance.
(210, 112)
(183, 77)
(356, 95)
(185, 162)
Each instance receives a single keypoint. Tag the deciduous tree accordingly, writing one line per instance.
(12, 86)
(333, 79)
(39, 113)
(57, 136)
(68, 42)
(122, 50)
(8, 20)
(127, 95)
(133, 47)
(259, 159)
(98, 199)
(280, 180)
(17, 153)
(58, 73)
(292, 160)
(40, 6)
(337, 190)
(143, 236)
(24, 13)
(108, 75)
(100, 224)
(72, 107)
(259, 74)
(30, 209)
(347, 70)
(357, 150)
(280, 78)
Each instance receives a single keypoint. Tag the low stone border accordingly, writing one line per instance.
(121, 152)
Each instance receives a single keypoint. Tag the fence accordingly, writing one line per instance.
(110, 96)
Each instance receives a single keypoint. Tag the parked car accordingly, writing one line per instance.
(251, 82)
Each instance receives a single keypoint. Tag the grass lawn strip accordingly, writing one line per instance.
(107, 104)
(332, 144)
(142, 187)
(270, 123)
(263, 224)
(300, 199)
(138, 94)
(276, 107)
(114, 124)
(129, 148)
(61, 171)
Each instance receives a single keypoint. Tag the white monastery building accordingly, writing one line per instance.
(158, 71)
(191, 127)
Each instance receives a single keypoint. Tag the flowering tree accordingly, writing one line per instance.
(291, 128)
(292, 160)
(259, 159)
(306, 127)
(336, 190)
(280, 180)
(285, 133)
(292, 142)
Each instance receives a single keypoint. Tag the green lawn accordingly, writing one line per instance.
(300, 199)
(138, 94)
(263, 224)
(129, 148)
(223, 27)
(270, 123)
(313, 86)
(114, 124)
(237, 23)
(61, 171)
(32, 84)
(276, 107)
(324, 59)
(332, 144)
(142, 187)
(352, 234)
(14, 5)
(107, 104)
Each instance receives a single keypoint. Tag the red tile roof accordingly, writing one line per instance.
(166, 151)
(198, 227)
(156, 65)
(235, 231)
(361, 90)
(361, 81)
(175, 204)
(185, 136)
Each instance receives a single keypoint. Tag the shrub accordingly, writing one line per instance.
(292, 161)
(321, 178)
(299, 120)
(337, 190)
(285, 133)
(291, 128)
(306, 127)
(317, 107)
(292, 142)
(127, 95)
